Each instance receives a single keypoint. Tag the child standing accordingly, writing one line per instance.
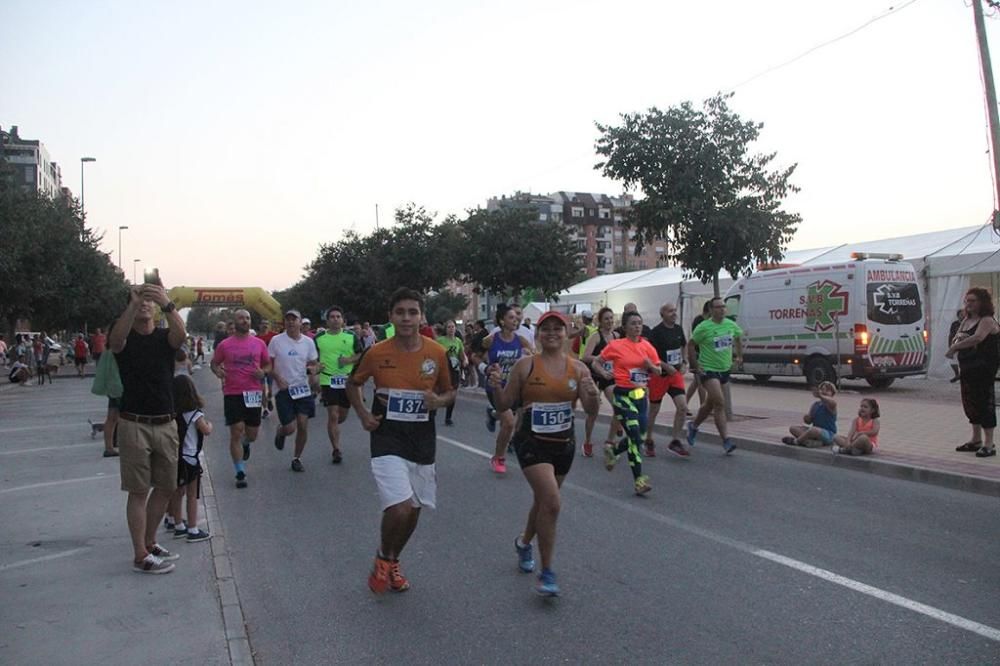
(192, 426)
(863, 438)
(821, 421)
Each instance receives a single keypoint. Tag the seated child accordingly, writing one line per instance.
(821, 421)
(863, 438)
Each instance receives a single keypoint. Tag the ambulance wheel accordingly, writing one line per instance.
(819, 370)
(761, 378)
(880, 382)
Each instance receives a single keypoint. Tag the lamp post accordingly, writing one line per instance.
(135, 262)
(120, 230)
(83, 210)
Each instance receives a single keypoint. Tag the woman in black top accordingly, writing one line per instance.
(975, 344)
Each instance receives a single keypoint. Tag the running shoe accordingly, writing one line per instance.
(168, 524)
(181, 531)
(498, 465)
(195, 535)
(691, 433)
(588, 450)
(246, 447)
(789, 440)
(241, 479)
(279, 441)
(449, 422)
(378, 579)
(264, 414)
(986, 452)
(152, 565)
(159, 551)
(338, 457)
(491, 420)
(649, 449)
(547, 586)
(397, 581)
(642, 485)
(297, 465)
(525, 558)
(728, 445)
(610, 457)
(835, 449)
(675, 447)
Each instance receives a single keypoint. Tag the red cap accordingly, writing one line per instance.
(549, 315)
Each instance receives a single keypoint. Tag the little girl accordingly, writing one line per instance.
(192, 426)
(863, 438)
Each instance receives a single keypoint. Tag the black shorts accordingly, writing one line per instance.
(188, 474)
(288, 409)
(237, 412)
(723, 377)
(335, 397)
(532, 451)
(673, 391)
(77, 361)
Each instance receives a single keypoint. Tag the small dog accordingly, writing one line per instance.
(95, 429)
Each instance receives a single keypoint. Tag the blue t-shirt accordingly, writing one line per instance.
(822, 417)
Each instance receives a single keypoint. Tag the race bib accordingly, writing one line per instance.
(299, 392)
(252, 399)
(639, 377)
(673, 357)
(406, 406)
(453, 361)
(338, 381)
(723, 342)
(551, 417)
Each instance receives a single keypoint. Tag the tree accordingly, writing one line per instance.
(509, 251)
(717, 206)
(445, 305)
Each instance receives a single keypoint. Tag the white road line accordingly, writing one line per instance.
(957, 621)
(57, 483)
(93, 444)
(44, 558)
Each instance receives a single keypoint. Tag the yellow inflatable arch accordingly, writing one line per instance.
(254, 298)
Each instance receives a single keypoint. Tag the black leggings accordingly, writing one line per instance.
(979, 398)
(456, 377)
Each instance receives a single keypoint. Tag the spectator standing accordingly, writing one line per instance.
(80, 354)
(978, 357)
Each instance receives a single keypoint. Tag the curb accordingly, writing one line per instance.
(237, 641)
(873, 465)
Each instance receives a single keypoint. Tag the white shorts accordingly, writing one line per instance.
(399, 480)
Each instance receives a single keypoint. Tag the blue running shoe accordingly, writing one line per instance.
(692, 433)
(525, 559)
(547, 586)
(728, 445)
(491, 420)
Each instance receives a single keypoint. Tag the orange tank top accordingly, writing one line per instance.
(863, 427)
(548, 402)
(540, 386)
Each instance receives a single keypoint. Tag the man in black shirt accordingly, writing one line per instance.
(668, 339)
(147, 432)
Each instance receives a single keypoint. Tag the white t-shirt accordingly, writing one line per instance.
(189, 447)
(290, 357)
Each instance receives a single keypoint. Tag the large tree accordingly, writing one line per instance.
(716, 203)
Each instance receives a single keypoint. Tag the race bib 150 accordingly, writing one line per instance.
(551, 417)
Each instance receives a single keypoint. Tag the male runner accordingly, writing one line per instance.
(338, 351)
(714, 339)
(241, 362)
(293, 358)
(411, 380)
(670, 344)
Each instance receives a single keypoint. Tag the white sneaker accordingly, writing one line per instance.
(835, 449)
(151, 564)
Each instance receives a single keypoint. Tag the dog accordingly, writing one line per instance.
(95, 429)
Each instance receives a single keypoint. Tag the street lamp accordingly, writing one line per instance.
(120, 229)
(84, 160)
(135, 262)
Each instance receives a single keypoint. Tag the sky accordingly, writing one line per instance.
(233, 138)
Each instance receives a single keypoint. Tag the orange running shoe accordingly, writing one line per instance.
(378, 579)
(397, 581)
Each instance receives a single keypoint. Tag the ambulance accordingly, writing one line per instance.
(857, 319)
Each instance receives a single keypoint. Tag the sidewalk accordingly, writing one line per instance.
(69, 593)
(922, 423)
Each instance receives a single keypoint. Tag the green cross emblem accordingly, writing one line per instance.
(826, 300)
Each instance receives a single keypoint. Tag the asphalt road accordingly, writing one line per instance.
(742, 559)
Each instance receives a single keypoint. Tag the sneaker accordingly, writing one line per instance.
(491, 420)
(279, 441)
(547, 586)
(649, 449)
(789, 440)
(169, 525)
(986, 452)
(378, 579)
(264, 414)
(642, 485)
(113, 453)
(691, 433)
(449, 422)
(181, 531)
(152, 565)
(195, 535)
(729, 446)
(397, 581)
(498, 465)
(246, 447)
(338, 457)
(297, 465)
(159, 551)
(835, 449)
(675, 447)
(588, 450)
(525, 558)
(610, 457)
(241, 479)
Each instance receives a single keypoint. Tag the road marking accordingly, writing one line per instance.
(47, 448)
(957, 621)
(44, 558)
(56, 483)
(44, 427)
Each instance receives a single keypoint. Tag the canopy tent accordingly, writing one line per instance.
(592, 293)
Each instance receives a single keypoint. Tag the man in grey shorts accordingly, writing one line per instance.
(147, 432)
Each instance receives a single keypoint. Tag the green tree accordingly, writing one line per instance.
(509, 251)
(445, 305)
(716, 204)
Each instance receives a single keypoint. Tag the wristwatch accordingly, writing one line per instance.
(169, 307)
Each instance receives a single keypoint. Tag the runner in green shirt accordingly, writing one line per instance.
(338, 351)
(455, 350)
(715, 340)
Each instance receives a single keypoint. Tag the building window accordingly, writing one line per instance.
(605, 214)
(577, 212)
(543, 217)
